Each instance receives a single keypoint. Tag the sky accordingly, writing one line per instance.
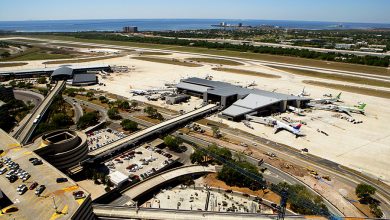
(368, 11)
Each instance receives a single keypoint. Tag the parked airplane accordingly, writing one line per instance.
(139, 92)
(344, 109)
(293, 129)
(278, 125)
(327, 100)
(296, 111)
(357, 109)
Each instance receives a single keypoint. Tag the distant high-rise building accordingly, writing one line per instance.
(130, 29)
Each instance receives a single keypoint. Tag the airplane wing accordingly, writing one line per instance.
(277, 129)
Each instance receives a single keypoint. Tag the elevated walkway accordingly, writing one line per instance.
(156, 129)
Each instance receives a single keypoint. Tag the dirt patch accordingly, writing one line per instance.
(146, 118)
(12, 64)
(211, 180)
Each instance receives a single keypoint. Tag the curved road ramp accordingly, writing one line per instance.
(124, 212)
(149, 184)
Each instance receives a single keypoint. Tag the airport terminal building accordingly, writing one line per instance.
(236, 101)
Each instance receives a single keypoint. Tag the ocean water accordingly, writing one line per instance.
(168, 24)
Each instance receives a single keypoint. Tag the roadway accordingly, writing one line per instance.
(151, 130)
(144, 186)
(78, 111)
(30, 126)
(276, 175)
(26, 95)
(321, 165)
(123, 212)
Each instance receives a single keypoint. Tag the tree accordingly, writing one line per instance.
(364, 191)
(124, 105)
(198, 157)
(233, 177)
(113, 114)
(153, 113)
(42, 80)
(129, 125)
(6, 54)
(89, 94)
(134, 104)
(216, 132)
(103, 99)
(61, 120)
(172, 142)
(88, 119)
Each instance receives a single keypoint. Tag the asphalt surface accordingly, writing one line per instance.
(26, 95)
(78, 111)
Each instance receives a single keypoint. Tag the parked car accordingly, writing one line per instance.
(40, 189)
(33, 185)
(61, 180)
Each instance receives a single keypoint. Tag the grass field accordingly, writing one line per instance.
(36, 53)
(216, 61)
(353, 89)
(12, 64)
(80, 60)
(344, 78)
(167, 61)
(154, 53)
(256, 56)
(246, 72)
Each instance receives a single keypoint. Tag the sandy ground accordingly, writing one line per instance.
(364, 147)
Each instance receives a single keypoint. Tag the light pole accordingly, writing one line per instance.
(55, 205)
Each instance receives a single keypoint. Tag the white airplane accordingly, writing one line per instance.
(290, 128)
(296, 111)
(327, 100)
(359, 109)
(344, 109)
(278, 125)
(139, 92)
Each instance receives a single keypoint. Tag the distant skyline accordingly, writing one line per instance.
(365, 11)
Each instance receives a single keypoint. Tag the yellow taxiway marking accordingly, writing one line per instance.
(71, 188)
(80, 201)
(27, 153)
(64, 211)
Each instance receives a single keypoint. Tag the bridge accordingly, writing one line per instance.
(155, 181)
(156, 129)
(124, 212)
(25, 132)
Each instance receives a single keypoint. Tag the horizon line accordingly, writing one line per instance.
(247, 19)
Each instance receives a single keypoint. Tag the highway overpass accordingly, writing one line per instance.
(149, 184)
(27, 130)
(156, 129)
(124, 212)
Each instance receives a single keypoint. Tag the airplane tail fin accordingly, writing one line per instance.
(362, 106)
(338, 96)
(297, 126)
